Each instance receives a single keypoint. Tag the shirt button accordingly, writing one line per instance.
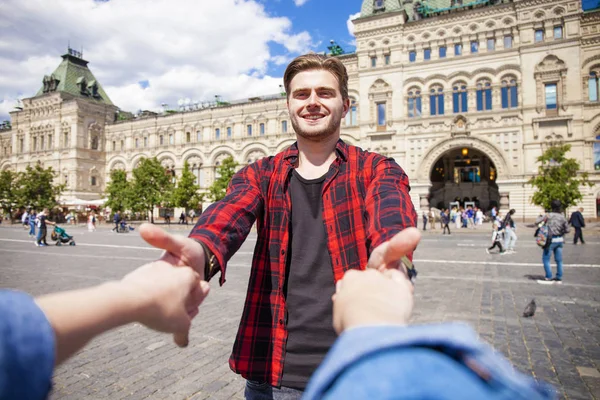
(282, 252)
(280, 322)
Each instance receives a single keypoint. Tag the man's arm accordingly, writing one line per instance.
(224, 226)
(388, 205)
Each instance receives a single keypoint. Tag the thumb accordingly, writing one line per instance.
(392, 251)
(158, 238)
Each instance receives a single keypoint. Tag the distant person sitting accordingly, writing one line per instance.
(379, 356)
(39, 334)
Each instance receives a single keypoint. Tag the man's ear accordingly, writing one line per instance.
(346, 106)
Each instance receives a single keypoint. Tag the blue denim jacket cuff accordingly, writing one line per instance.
(26, 348)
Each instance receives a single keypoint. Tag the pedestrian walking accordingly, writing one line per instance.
(32, 223)
(25, 219)
(577, 222)
(424, 221)
(116, 220)
(431, 219)
(182, 219)
(192, 215)
(42, 223)
(557, 228)
(445, 218)
(91, 222)
(497, 235)
(478, 217)
(510, 236)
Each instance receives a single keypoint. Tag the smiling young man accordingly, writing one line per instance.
(321, 207)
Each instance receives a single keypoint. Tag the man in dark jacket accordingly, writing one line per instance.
(577, 222)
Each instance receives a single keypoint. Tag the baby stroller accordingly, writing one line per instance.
(60, 236)
(124, 227)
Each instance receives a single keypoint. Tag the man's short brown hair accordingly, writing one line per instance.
(313, 61)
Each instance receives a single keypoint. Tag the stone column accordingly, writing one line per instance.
(424, 201)
(504, 202)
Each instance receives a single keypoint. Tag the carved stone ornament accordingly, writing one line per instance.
(460, 127)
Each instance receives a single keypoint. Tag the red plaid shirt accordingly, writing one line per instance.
(365, 203)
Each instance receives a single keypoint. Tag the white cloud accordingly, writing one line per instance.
(349, 23)
(184, 48)
(299, 3)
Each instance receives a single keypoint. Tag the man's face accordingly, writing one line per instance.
(315, 105)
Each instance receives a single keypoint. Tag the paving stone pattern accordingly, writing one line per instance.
(457, 281)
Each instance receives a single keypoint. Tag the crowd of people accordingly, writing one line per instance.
(329, 293)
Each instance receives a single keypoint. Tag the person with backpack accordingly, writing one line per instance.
(557, 226)
(497, 235)
(577, 222)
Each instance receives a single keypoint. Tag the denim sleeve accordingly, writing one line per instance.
(26, 348)
(443, 361)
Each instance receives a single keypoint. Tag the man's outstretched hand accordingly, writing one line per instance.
(179, 252)
(388, 254)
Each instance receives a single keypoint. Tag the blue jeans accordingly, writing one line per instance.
(263, 391)
(32, 228)
(557, 249)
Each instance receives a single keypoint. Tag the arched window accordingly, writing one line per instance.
(484, 95)
(460, 97)
(378, 4)
(188, 137)
(351, 116)
(217, 134)
(95, 142)
(414, 103)
(198, 136)
(509, 93)
(594, 86)
(261, 129)
(436, 100)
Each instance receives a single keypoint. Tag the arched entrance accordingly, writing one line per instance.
(464, 174)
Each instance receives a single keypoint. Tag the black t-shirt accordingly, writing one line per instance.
(309, 285)
(42, 224)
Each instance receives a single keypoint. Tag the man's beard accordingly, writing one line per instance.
(317, 135)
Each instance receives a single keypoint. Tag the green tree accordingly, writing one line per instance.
(118, 191)
(151, 186)
(558, 178)
(36, 188)
(186, 194)
(224, 174)
(8, 191)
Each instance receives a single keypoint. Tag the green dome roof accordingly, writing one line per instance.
(368, 7)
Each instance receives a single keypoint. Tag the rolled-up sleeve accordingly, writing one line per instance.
(26, 348)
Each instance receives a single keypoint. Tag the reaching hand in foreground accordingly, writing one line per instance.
(372, 298)
(178, 251)
(383, 293)
(157, 295)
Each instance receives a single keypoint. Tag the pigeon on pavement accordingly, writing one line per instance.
(530, 309)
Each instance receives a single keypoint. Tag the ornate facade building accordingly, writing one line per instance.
(465, 95)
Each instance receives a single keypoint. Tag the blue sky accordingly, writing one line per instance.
(325, 20)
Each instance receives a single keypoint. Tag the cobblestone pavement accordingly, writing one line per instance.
(457, 281)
